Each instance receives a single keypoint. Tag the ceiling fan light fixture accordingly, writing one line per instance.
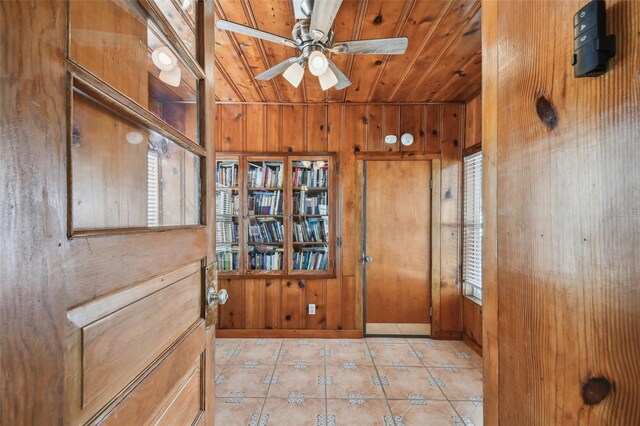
(294, 74)
(318, 63)
(164, 59)
(328, 80)
(171, 78)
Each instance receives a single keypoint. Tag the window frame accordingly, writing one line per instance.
(472, 229)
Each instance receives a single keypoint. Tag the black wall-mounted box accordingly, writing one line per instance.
(592, 46)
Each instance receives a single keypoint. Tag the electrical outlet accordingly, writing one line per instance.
(312, 309)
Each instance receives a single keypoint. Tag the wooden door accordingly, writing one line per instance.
(398, 240)
(103, 308)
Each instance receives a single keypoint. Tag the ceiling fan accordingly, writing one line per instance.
(313, 37)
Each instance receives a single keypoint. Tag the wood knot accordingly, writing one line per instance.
(595, 390)
(378, 62)
(547, 112)
(377, 20)
(356, 149)
(287, 317)
(290, 149)
(288, 283)
(301, 284)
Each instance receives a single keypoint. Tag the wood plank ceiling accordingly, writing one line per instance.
(442, 63)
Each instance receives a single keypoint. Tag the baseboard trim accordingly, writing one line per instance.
(472, 343)
(272, 334)
(446, 335)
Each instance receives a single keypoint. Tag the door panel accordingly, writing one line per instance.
(398, 224)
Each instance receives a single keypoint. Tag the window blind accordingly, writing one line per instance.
(472, 224)
(153, 189)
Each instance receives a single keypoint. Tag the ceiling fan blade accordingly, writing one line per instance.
(343, 81)
(322, 17)
(277, 69)
(376, 46)
(252, 32)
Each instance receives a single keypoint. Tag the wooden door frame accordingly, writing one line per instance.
(435, 233)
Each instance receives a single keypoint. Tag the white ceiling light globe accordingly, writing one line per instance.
(318, 63)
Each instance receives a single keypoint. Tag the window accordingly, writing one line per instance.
(472, 216)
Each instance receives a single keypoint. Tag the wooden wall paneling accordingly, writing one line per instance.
(292, 300)
(314, 292)
(232, 313)
(419, 29)
(273, 126)
(462, 49)
(390, 126)
(473, 120)
(457, 14)
(255, 128)
(248, 47)
(432, 127)
(375, 139)
(436, 235)
(277, 18)
(567, 184)
(272, 303)
(450, 268)
(489, 211)
(334, 286)
(380, 20)
(316, 128)
(255, 304)
(345, 27)
(231, 121)
(294, 128)
(411, 122)
(472, 324)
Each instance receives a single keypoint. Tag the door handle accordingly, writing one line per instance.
(221, 297)
(367, 259)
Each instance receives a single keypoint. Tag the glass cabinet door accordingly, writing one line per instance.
(228, 224)
(310, 227)
(265, 215)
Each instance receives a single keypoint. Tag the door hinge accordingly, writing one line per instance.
(430, 311)
(339, 242)
(430, 183)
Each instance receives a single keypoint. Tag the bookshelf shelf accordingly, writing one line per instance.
(271, 208)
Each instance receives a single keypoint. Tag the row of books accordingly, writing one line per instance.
(311, 259)
(311, 230)
(227, 174)
(265, 202)
(227, 203)
(266, 258)
(265, 230)
(226, 232)
(310, 177)
(266, 175)
(228, 260)
(315, 204)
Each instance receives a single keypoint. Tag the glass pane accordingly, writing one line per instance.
(124, 48)
(124, 175)
(310, 225)
(181, 19)
(265, 207)
(227, 215)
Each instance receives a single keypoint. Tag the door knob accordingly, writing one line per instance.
(221, 297)
(368, 259)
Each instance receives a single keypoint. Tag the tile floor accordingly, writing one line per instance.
(375, 381)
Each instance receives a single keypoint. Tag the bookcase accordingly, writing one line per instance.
(275, 214)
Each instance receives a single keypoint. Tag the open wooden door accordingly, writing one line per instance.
(108, 275)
